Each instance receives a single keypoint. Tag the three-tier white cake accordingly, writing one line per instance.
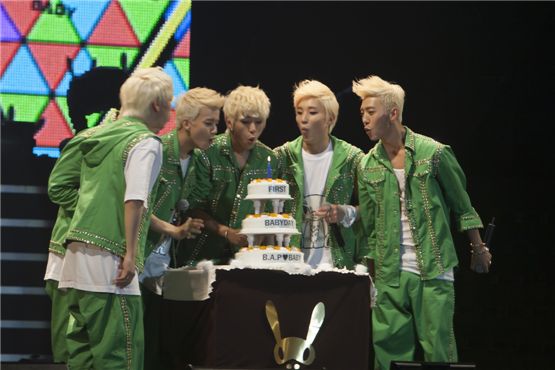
(260, 227)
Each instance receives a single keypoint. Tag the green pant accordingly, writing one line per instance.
(415, 310)
(105, 331)
(58, 321)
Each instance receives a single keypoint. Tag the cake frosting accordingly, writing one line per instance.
(262, 190)
(269, 223)
(277, 226)
(268, 189)
(273, 256)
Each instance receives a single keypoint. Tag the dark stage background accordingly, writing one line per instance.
(479, 76)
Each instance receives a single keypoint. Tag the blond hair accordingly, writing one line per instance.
(190, 103)
(247, 101)
(144, 87)
(391, 95)
(317, 90)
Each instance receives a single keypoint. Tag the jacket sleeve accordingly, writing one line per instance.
(200, 194)
(366, 232)
(64, 180)
(453, 182)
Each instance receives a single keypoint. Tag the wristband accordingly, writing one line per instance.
(475, 247)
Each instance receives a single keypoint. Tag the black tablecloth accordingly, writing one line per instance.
(231, 329)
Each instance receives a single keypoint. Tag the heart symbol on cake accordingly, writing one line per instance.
(284, 257)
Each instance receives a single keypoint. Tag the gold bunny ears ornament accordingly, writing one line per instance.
(292, 349)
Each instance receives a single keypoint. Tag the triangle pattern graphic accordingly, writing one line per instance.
(183, 68)
(23, 76)
(22, 14)
(51, 59)
(143, 15)
(63, 86)
(8, 51)
(183, 27)
(109, 56)
(62, 104)
(170, 125)
(183, 50)
(86, 15)
(92, 119)
(185, 24)
(114, 22)
(27, 108)
(178, 87)
(54, 28)
(55, 128)
(8, 30)
(82, 63)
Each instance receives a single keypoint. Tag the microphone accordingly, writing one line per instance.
(181, 208)
(489, 232)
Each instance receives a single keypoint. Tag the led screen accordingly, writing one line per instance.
(48, 48)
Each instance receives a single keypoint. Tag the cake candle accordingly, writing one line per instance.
(269, 168)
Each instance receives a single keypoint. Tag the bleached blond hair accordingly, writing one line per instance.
(144, 87)
(315, 89)
(391, 95)
(247, 101)
(190, 103)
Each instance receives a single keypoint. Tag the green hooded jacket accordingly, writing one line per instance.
(340, 189)
(435, 186)
(173, 185)
(63, 188)
(99, 213)
(220, 191)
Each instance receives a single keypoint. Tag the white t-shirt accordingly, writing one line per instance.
(158, 261)
(407, 251)
(141, 169)
(184, 165)
(54, 266)
(93, 269)
(315, 231)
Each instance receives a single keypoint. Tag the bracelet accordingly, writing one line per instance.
(225, 233)
(475, 246)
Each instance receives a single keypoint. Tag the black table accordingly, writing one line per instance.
(231, 329)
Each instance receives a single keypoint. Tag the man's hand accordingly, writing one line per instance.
(189, 229)
(233, 236)
(480, 260)
(126, 272)
(331, 213)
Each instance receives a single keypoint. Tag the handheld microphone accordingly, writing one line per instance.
(489, 232)
(181, 208)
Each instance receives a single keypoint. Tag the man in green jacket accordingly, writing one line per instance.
(409, 185)
(197, 117)
(223, 172)
(321, 172)
(63, 190)
(105, 241)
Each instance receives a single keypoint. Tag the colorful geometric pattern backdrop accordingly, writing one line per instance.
(45, 44)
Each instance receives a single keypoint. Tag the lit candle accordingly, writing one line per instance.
(269, 168)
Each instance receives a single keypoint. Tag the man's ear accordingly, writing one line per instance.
(186, 124)
(394, 114)
(229, 124)
(155, 107)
